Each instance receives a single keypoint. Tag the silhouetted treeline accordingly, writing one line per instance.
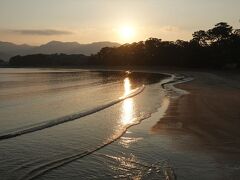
(1, 61)
(49, 60)
(218, 47)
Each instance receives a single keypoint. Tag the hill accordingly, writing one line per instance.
(8, 50)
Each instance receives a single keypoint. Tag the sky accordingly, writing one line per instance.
(40, 21)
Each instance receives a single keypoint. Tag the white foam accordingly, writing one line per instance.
(67, 118)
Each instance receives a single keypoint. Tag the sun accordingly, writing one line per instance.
(127, 33)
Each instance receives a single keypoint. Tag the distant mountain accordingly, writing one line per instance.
(8, 50)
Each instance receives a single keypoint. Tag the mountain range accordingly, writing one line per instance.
(8, 50)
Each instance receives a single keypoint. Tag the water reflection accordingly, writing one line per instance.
(128, 104)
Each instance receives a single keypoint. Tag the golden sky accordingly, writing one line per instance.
(85, 21)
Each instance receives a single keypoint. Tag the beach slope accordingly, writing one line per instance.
(210, 110)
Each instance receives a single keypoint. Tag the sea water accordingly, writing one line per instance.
(101, 125)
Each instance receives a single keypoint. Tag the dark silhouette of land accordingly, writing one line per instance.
(218, 47)
(8, 50)
(43, 60)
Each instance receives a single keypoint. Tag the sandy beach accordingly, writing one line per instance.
(210, 110)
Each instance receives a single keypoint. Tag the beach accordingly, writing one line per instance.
(210, 109)
(140, 124)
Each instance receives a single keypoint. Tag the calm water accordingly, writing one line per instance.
(111, 143)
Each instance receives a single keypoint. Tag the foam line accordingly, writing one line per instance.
(48, 166)
(64, 119)
(43, 168)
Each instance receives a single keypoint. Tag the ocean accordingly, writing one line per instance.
(91, 124)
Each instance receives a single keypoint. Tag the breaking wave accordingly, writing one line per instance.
(67, 118)
(161, 168)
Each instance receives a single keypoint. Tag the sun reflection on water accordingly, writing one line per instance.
(127, 108)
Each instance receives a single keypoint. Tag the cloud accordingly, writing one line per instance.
(40, 32)
(170, 29)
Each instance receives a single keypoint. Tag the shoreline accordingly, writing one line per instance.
(178, 145)
(197, 112)
(210, 110)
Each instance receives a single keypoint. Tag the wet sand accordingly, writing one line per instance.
(211, 110)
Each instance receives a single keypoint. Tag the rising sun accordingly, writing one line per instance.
(127, 33)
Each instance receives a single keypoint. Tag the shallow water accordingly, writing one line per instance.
(112, 143)
(31, 97)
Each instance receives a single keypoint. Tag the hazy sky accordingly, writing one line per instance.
(40, 21)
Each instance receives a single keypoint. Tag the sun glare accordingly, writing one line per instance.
(127, 33)
(127, 110)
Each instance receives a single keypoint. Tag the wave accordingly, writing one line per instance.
(45, 167)
(175, 79)
(58, 162)
(64, 119)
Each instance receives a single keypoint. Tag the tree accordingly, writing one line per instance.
(221, 31)
(201, 38)
(181, 43)
(218, 47)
